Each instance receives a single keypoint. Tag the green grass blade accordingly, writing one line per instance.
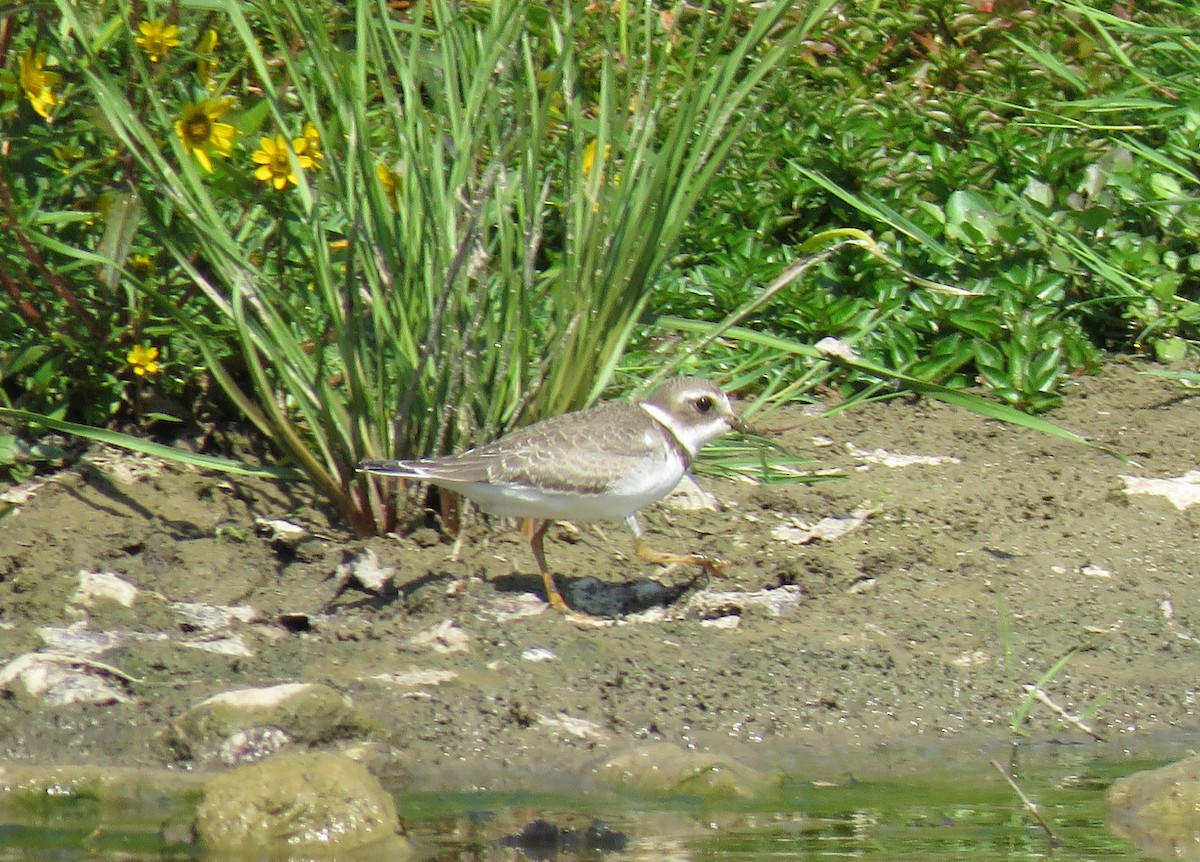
(982, 406)
(148, 447)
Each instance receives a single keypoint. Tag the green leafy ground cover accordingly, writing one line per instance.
(1039, 155)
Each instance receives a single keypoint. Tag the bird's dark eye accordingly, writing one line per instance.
(704, 404)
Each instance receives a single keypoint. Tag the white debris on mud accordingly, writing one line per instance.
(1183, 491)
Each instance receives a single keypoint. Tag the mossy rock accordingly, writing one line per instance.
(663, 768)
(320, 804)
(306, 713)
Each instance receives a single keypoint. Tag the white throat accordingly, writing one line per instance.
(691, 435)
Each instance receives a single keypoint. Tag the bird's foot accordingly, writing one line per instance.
(714, 566)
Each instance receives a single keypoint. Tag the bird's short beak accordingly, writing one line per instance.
(737, 423)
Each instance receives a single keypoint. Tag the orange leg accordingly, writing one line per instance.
(713, 565)
(534, 530)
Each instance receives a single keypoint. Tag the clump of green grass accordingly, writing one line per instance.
(373, 233)
(380, 233)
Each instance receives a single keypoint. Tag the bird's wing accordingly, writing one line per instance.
(573, 456)
(561, 453)
(451, 470)
(576, 453)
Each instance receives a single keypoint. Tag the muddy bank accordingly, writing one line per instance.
(960, 578)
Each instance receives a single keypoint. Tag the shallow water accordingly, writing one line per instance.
(932, 817)
(967, 810)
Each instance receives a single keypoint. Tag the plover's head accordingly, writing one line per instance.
(694, 410)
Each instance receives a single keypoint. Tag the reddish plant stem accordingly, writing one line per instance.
(52, 278)
(24, 307)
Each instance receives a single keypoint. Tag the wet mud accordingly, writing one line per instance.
(938, 589)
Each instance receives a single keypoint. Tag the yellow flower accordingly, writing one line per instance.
(206, 63)
(158, 37)
(142, 265)
(37, 83)
(208, 42)
(143, 360)
(309, 145)
(390, 181)
(275, 164)
(200, 132)
(589, 158)
(588, 163)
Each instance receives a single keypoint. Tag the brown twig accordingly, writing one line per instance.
(1045, 700)
(24, 307)
(1029, 804)
(6, 30)
(52, 278)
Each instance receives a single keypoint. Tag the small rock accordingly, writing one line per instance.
(304, 712)
(280, 532)
(711, 604)
(836, 348)
(829, 529)
(660, 767)
(65, 671)
(884, 458)
(416, 677)
(78, 640)
(208, 618)
(212, 626)
(252, 745)
(1169, 794)
(234, 645)
(366, 572)
(1158, 810)
(580, 728)
(61, 680)
(445, 637)
(1183, 491)
(539, 654)
(505, 608)
(300, 804)
(94, 586)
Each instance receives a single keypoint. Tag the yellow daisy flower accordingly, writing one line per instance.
(275, 164)
(200, 132)
(309, 144)
(37, 83)
(143, 360)
(158, 37)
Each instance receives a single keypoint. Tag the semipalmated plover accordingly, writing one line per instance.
(599, 464)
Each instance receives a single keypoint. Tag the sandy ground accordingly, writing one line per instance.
(975, 571)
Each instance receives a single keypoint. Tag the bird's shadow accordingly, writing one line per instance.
(588, 595)
(595, 597)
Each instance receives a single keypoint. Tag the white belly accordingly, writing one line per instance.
(653, 481)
